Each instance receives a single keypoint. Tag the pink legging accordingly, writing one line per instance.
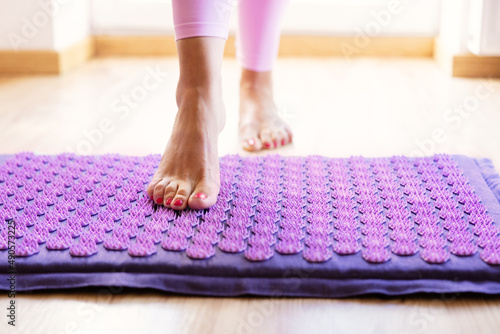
(259, 26)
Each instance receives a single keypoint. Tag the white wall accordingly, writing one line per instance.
(470, 26)
(336, 17)
(463, 25)
(72, 23)
(43, 24)
(327, 17)
(453, 32)
(129, 17)
(22, 26)
(484, 27)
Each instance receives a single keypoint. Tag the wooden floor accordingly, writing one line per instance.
(373, 107)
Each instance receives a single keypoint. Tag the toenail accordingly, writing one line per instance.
(275, 142)
(251, 142)
(169, 200)
(151, 197)
(159, 200)
(283, 142)
(201, 195)
(267, 145)
(178, 202)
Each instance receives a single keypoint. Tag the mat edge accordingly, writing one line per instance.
(228, 287)
(490, 175)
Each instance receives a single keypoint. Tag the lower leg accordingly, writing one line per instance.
(188, 174)
(257, 49)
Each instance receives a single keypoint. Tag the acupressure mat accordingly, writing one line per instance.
(283, 226)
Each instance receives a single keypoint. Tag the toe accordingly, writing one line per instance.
(266, 138)
(276, 138)
(181, 197)
(159, 190)
(203, 196)
(170, 191)
(250, 138)
(252, 144)
(282, 137)
(151, 187)
(289, 134)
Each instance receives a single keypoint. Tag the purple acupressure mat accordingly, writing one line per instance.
(287, 226)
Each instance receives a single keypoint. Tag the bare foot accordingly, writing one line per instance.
(188, 174)
(260, 125)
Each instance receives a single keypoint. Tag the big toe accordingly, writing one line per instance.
(250, 138)
(204, 195)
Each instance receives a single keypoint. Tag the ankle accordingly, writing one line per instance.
(202, 105)
(199, 80)
(256, 81)
(208, 92)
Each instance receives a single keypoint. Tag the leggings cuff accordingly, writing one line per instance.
(262, 63)
(201, 29)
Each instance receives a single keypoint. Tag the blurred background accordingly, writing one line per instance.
(411, 77)
(462, 26)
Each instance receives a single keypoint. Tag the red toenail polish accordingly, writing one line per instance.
(178, 202)
(251, 142)
(169, 200)
(201, 195)
(151, 197)
(267, 145)
(159, 200)
(283, 142)
(275, 142)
